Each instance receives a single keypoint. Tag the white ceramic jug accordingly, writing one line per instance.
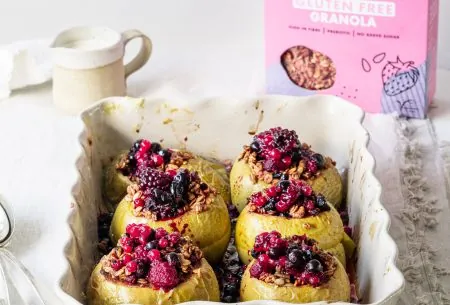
(88, 65)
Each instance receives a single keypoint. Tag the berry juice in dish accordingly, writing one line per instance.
(368, 52)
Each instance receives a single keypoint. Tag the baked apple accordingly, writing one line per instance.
(291, 207)
(152, 267)
(125, 168)
(293, 270)
(177, 201)
(277, 152)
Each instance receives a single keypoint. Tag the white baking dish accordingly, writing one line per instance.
(218, 128)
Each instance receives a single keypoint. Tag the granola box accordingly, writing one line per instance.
(380, 55)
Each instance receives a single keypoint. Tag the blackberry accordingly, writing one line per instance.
(275, 253)
(270, 205)
(295, 157)
(284, 184)
(142, 268)
(172, 259)
(180, 185)
(151, 178)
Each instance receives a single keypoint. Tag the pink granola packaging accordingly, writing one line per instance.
(380, 55)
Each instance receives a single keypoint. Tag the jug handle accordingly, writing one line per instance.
(144, 53)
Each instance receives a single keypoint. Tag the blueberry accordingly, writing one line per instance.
(254, 254)
(151, 245)
(276, 175)
(320, 160)
(137, 145)
(285, 177)
(296, 257)
(165, 154)
(307, 255)
(284, 184)
(155, 147)
(314, 266)
(322, 203)
(255, 146)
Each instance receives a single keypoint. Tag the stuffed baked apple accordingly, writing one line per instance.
(152, 267)
(293, 270)
(278, 151)
(291, 207)
(125, 168)
(177, 201)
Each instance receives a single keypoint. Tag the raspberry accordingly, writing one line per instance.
(160, 233)
(126, 258)
(282, 206)
(151, 178)
(131, 267)
(311, 166)
(154, 255)
(163, 275)
(116, 264)
(157, 159)
(174, 238)
(133, 230)
(256, 269)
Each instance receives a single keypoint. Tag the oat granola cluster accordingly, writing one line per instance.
(145, 154)
(147, 257)
(288, 198)
(277, 152)
(162, 195)
(292, 261)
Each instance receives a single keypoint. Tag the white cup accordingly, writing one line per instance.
(88, 65)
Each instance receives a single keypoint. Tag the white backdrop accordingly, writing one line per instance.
(179, 24)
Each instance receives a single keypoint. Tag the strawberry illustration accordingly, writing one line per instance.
(399, 76)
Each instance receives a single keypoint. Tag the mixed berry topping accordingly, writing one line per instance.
(278, 151)
(295, 260)
(162, 195)
(105, 243)
(289, 198)
(145, 154)
(230, 270)
(151, 258)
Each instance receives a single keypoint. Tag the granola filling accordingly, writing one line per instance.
(293, 261)
(159, 196)
(151, 258)
(277, 152)
(288, 198)
(145, 154)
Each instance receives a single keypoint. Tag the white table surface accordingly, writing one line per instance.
(220, 54)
